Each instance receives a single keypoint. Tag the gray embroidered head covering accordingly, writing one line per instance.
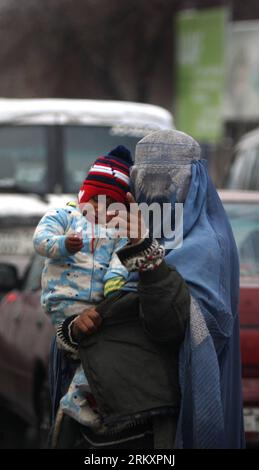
(163, 165)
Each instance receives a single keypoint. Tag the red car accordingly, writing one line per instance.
(242, 208)
(25, 337)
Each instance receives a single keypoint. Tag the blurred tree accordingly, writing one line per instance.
(110, 49)
(87, 48)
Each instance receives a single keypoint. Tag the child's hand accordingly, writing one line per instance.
(73, 243)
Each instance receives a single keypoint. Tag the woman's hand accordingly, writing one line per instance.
(130, 223)
(86, 323)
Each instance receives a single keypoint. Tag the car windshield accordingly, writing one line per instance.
(23, 154)
(244, 219)
(83, 144)
(35, 158)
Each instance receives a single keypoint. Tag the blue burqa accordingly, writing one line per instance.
(211, 413)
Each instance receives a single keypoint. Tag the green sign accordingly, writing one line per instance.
(200, 64)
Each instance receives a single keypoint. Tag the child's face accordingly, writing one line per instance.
(100, 208)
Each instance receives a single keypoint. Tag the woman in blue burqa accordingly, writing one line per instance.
(168, 169)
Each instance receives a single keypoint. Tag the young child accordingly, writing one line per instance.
(81, 268)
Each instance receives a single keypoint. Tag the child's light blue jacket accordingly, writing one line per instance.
(73, 280)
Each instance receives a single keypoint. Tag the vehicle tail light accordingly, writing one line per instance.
(250, 351)
(12, 297)
(249, 334)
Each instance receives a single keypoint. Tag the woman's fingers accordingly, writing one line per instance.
(130, 223)
(95, 317)
(90, 319)
(86, 323)
(130, 198)
(132, 226)
(88, 326)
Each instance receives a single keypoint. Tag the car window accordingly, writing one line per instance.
(32, 279)
(244, 219)
(248, 168)
(244, 172)
(254, 180)
(23, 158)
(83, 144)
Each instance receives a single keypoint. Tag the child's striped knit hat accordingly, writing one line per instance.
(108, 175)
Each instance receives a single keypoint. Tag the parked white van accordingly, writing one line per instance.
(46, 149)
(48, 145)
